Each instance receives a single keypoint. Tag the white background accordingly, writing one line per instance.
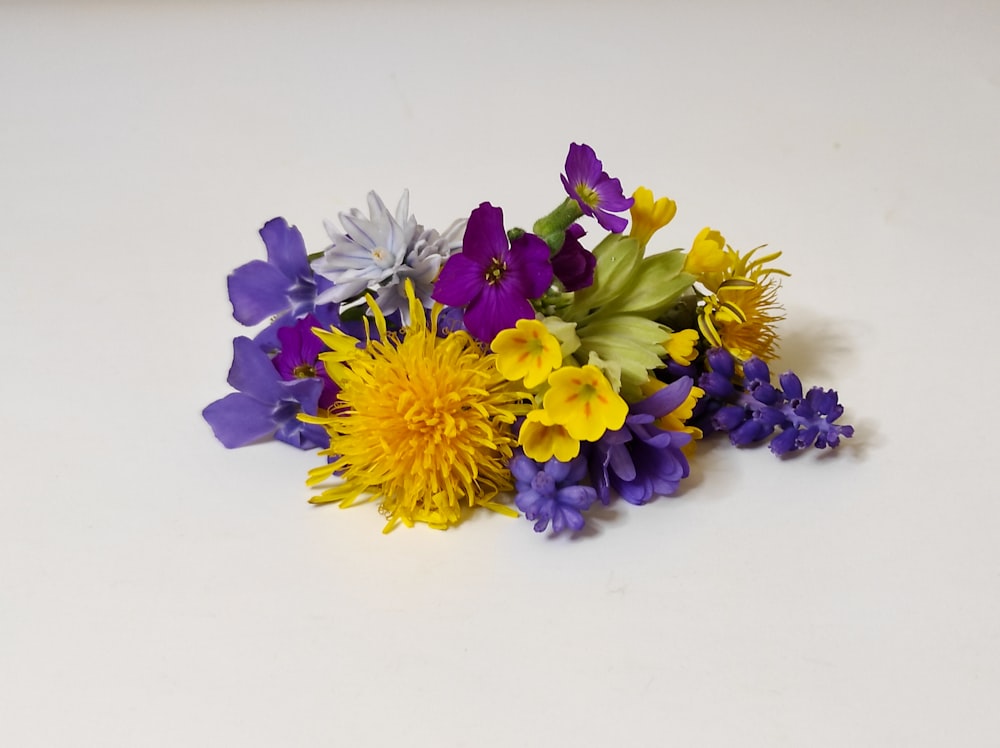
(158, 590)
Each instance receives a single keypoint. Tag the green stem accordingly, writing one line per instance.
(552, 228)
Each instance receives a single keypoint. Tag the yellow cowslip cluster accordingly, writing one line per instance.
(708, 253)
(682, 346)
(527, 351)
(648, 216)
(578, 403)
(422, 423)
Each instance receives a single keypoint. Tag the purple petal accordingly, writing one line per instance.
(582, 166)
(530, 502)
(494, 310)
(573, 265)
(257, 290)
(523, 468)
(557, 470)
(755, 369)
(665, 400)
(238, 419)
(485, 238)
(609, 222)
(636, 492)
(267, 339)
(461, 279)
(253, 373)
(566, 517)
(791, 384)
(529, 267)
(577, 497)
(784, 442)
(722, 362)
(612, 197)
(303, 435)
(285, 248)
(620, 462)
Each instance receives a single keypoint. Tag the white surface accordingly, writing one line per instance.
(157, 590)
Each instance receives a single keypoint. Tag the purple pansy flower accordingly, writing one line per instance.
(597, 194)
(299, 357)
(283, 287)
(550, 492)
(492, 277)
(640, 460)
(264, 403)
(574, 265)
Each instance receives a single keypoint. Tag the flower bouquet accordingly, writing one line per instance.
(438, 372)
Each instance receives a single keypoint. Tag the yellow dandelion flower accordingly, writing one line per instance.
(581, 399)
(741, 313)
(648, 217)
(542, 439)
(422, 423)
(708, 253)
(527, 351)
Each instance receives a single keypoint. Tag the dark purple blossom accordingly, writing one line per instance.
(550, 492)
(283, 287)
(494, 278)
(755, 411)
(299, 357)
(264, 404)
(640, 460)
(574, 265)
(597, 194)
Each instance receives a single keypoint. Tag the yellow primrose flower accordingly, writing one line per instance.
(708, 253)
(682, 346)
(542, 439)
(581, 399)
(649, 217)
(527, 351)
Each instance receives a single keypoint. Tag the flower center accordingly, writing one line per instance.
(544, 484)
(495, 271)
(588, 195)
(304, 371)
(382, 257)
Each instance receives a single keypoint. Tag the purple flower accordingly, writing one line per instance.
(299, 357)
(283, 286)
(551, 492)
(492, 277)
(640, 460)
(264, 403)
(753, 412)
(572, 264)
(597, 194)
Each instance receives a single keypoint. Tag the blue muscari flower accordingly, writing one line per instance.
(265, 404)
(550, 492)
(754, 412)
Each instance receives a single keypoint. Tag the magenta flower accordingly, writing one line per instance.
(493, 278)
(573, 264)
(299, 357)
(597, 194)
